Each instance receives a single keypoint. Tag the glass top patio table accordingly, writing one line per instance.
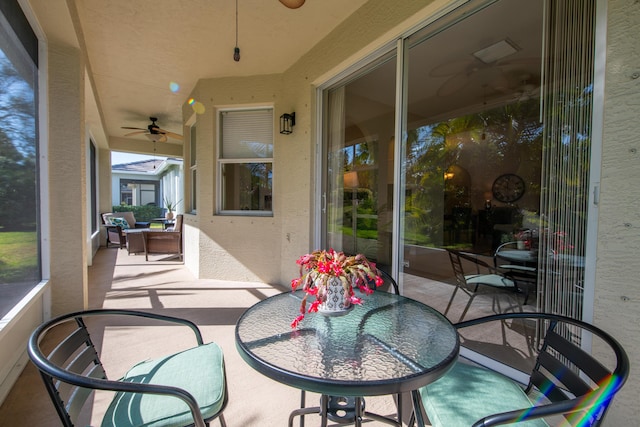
(389, 344)
(530, 258)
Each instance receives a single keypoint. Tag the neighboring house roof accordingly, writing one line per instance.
(139, 166)
(150, 166)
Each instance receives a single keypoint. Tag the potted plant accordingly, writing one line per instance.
(170, 208)
(330, 277)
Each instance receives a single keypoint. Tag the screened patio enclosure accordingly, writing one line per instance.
(470, 133)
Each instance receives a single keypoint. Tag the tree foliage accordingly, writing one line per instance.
(18, 190)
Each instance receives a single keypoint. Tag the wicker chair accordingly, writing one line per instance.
(164, 242)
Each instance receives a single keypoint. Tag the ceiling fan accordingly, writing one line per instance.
(501, 76)
(153, 132)
(493, 66)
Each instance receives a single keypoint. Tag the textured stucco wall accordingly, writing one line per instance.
(67, 180)
(617, 292)
(232, 247)
(227, 245)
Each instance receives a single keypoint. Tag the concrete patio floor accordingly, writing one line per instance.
(118, 280)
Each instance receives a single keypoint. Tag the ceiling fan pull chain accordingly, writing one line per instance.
(236, 50)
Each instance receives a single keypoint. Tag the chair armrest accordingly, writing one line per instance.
(144, 314)
(131, 387)
(476, 386)
(43, 364)
(611, 383)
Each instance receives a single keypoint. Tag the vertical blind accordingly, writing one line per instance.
(567, 117)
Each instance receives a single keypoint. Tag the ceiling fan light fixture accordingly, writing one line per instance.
(154, 137)
(292, 4)
(496, 51)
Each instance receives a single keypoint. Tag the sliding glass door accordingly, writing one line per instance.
(359, 168)
(495, 155)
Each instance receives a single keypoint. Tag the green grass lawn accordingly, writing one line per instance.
(18, 256)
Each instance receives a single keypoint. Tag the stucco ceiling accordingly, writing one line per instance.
(145, 56)
(136, 49)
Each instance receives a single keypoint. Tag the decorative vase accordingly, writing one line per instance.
(169, 215)
(337, 302)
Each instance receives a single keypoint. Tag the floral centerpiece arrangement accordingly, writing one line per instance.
(320, 268)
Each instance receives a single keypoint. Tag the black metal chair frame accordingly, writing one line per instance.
(456, 258)
(73, 370)
(572, 379)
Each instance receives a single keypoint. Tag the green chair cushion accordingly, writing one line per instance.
(495, 280)
(199, 370)
(468, 393)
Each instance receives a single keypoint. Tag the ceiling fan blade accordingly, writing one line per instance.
(450, 68)
(522, 63)
(131, 127)
(163, 138)
(453, 85)
(138, 132)
(169, 133)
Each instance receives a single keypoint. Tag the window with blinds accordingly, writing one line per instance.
(245, 162)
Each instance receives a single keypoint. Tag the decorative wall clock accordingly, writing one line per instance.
(508, 188)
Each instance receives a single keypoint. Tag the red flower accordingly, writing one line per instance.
(313, 308)
(324, 267)
(365, 289)
(356, 300)
(296, 321)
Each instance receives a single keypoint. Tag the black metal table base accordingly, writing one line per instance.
(340, 410)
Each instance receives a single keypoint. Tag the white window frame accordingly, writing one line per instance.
(193, 165)
(221, 162)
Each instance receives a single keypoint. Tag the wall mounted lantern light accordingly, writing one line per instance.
(287, 122)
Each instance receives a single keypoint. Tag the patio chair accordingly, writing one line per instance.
(167, 242)
(485, 275)
(516, 261)
(566, 381)
(182, 389)
(389, 284)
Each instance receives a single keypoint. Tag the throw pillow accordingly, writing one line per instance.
(119, 221)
